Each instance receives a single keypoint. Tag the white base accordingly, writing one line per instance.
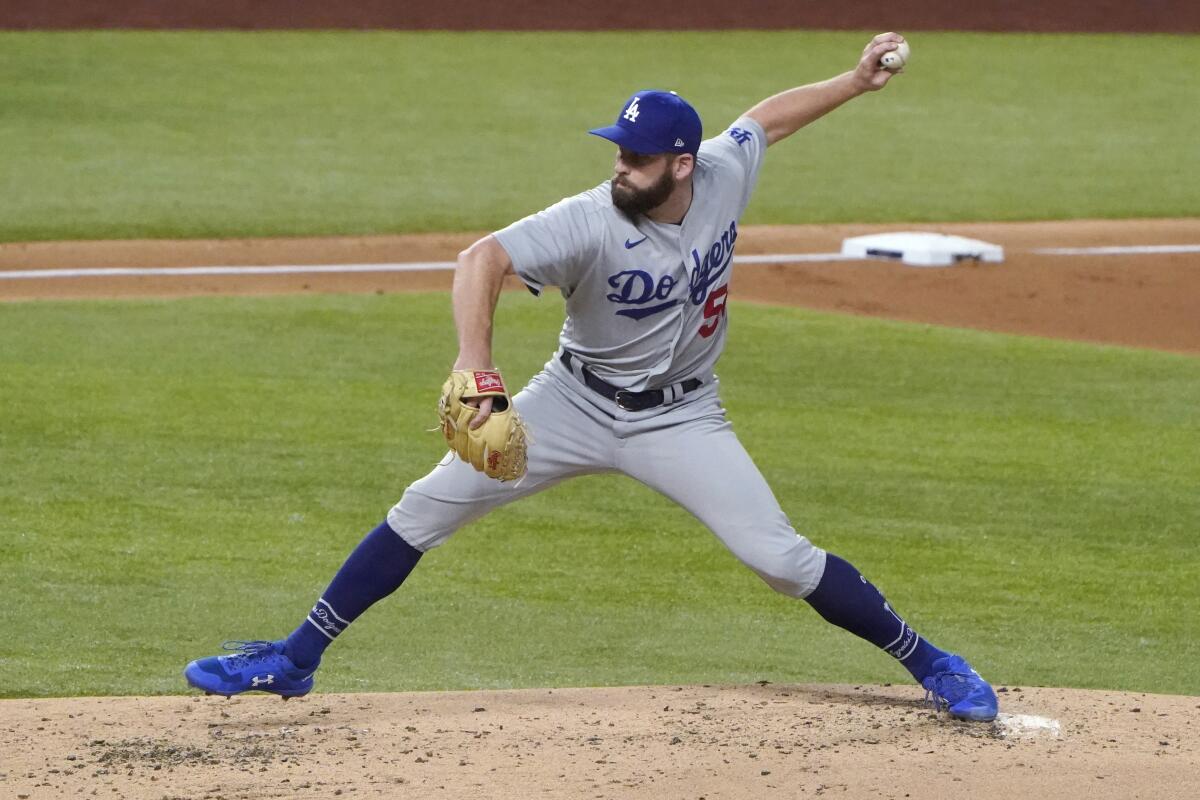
(922, 249)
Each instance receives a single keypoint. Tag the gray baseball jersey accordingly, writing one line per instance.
(645, 302)
(645, 310)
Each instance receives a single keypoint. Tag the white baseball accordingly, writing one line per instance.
(895, 59)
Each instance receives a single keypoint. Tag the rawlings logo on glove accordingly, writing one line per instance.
(497, 448)
(486, 381)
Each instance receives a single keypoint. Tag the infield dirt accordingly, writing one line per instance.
(1146, 300)
(641, 742)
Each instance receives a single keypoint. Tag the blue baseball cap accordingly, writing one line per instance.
(653, 122)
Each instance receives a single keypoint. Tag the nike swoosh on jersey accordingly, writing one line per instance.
(630, 245)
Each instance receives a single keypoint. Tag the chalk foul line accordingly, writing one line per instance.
(1125, 250)
(305, 269)
(436, 266)
(308, 269)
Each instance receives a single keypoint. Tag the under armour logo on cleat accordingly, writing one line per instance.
(257, 681)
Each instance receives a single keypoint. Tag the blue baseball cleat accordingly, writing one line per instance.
(251, 667)
(959, 689)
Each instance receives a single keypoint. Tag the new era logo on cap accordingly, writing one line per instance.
(654, 122)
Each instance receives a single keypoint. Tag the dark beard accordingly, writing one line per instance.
(635, 202)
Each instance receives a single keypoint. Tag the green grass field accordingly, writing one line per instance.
(176, 473)
(123, 134)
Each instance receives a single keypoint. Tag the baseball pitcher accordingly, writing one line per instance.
(644, 262)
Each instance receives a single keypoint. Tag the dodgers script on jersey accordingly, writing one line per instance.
(645, 302)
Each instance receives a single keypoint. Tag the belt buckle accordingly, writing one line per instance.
(619, 399)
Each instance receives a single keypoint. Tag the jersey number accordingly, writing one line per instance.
(714, 308)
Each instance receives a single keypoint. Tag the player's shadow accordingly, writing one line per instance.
(264, 713)
(899, 698)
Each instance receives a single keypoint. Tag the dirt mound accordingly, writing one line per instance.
(653, 742)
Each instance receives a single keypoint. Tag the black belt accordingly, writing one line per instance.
(629, 401)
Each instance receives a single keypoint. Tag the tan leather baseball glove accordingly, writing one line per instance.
(496, 448)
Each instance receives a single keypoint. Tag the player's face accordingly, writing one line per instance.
(642, 182)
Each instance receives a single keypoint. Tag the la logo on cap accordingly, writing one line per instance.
(666, 124)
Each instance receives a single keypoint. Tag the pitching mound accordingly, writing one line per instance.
(659, 742)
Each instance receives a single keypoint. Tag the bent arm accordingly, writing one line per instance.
(478, 279)
(787, 112)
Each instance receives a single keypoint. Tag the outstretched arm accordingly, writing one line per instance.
(478, 279)
(787, 112)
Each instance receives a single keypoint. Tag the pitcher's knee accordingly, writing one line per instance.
(446, 499)
(416, 520)
(793, 570)
(427, 516)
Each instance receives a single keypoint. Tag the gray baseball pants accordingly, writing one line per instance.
(687, 451)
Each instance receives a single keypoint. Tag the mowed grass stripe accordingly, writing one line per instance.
(219, 134)
(176, 473)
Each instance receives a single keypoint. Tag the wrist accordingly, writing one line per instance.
(468, 361)
(852, 84)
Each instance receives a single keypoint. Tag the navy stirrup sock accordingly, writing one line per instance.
(847, 599)
(374, 570)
